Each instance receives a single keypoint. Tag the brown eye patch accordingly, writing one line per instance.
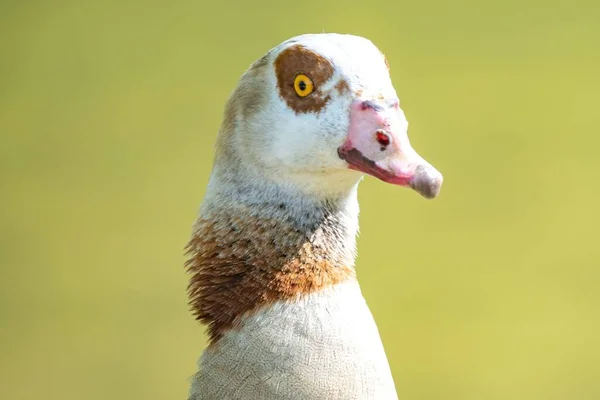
(299, 60)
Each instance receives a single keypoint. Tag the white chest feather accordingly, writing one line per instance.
(324, 346)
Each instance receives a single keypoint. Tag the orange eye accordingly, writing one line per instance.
(303, 85)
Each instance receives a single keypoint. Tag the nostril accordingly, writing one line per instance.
(394, 103)
(383, 138)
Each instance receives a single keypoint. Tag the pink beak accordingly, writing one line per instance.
(377, 144)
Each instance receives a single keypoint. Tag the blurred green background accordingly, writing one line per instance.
(108, 114)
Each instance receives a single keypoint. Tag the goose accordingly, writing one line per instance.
(271, 255)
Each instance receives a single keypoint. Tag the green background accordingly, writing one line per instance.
(108, 114)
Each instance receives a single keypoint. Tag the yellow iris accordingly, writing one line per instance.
(303, 85)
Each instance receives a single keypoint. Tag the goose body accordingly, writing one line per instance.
(271, 257)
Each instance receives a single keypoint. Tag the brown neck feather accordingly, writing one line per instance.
(240, 262)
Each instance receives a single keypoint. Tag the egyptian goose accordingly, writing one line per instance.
(271, 257)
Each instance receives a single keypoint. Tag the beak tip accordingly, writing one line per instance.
(427, 182)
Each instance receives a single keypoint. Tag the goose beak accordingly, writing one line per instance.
(377, 145)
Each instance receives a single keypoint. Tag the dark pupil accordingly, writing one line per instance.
(302, 85)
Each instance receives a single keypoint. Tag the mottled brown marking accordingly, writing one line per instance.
(296, 60)
(342, 87)
(248, 98)
(240, 264)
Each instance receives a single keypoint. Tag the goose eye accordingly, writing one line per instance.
(303, 85)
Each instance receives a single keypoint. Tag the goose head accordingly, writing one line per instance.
(318, 112)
